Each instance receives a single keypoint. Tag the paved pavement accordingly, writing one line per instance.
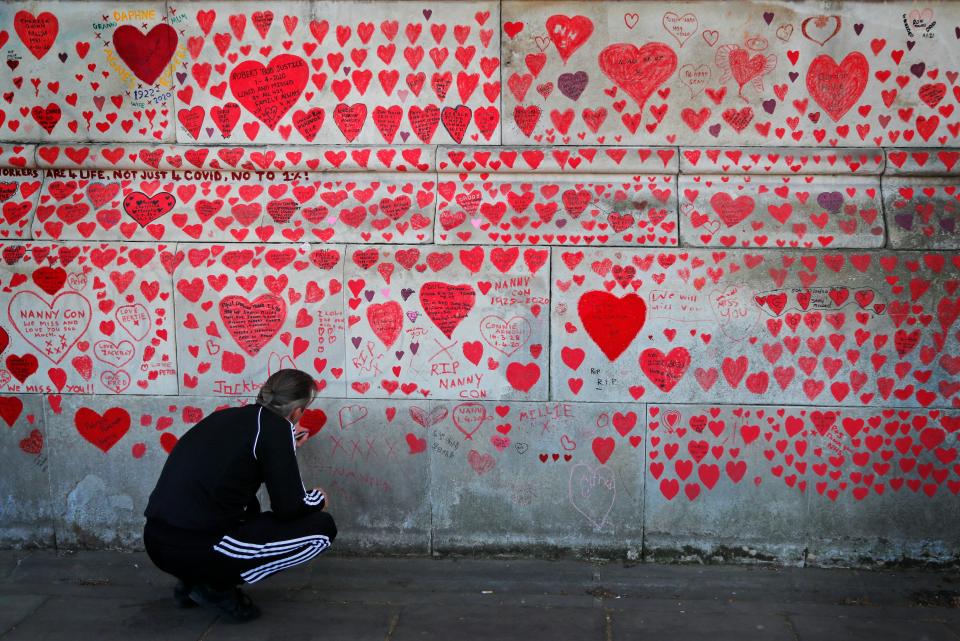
(107, 596)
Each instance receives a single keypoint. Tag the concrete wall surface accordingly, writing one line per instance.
(661, 282)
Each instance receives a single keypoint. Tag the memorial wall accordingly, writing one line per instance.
(631, 279)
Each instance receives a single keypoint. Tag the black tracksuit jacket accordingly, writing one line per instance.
(210, 480)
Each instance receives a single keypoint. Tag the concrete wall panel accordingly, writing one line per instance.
(922, 212)
(739, 210)
(87, 319)
(80, 71)
(373, 459)
(466, 323)
(568, 201)
(105, 459)
(245, 311)
(811, 212)
(318, 72)
(26, 517)
(815, 485)
(516, 476)
(19, 193)
(853, 328)
(730, 73)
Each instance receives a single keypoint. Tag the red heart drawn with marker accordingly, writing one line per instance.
(268, 92)
(36, 32)
(145, 209)
(252, 324)
(638, 71)
(446, 305)
(835, 87)
(102, 431)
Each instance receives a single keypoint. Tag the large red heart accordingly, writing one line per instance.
(612, 322)
(350, 119)
(446, 305)
(638, 71)
(835, 87)
(10, 409)
(147, 54)
(731, 210)
(36, 33)
(268, 92)
(386, 321)
(665, 370)
(51, 328)
(253, 323)
(144, 209)
(102, 431)
(568, 34)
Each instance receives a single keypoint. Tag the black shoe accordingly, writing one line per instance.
(181, 595)
(232, 604)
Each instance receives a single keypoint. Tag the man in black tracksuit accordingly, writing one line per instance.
(204, 523)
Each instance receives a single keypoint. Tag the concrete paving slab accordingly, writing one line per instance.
(302, 621)
(689, 620)
(864, 623)
(501, 622)
(79, 617)
(15, 608)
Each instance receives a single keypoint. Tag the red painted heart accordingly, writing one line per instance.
(147, 54)
(268, 92)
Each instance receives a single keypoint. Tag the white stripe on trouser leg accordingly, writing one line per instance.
(255, 574)
(243, 550)
(313, 549)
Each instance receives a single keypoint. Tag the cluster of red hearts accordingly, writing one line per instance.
(867, 328)
(102, 82)
(637, 211)
(669, 80)
(809, 212)
(248, 310)
(18, 190)
(387, 80)
(361, 208)
(832, 451)
(470, 323)
(86, 319)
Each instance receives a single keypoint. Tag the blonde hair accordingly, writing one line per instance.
(286, 390)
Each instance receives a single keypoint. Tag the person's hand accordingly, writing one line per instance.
(326, 498)
(300, 436)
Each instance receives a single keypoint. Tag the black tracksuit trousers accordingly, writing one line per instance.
(249, 552)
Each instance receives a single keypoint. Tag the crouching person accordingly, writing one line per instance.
(204, 524)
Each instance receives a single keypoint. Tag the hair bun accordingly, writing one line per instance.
(266, 395)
